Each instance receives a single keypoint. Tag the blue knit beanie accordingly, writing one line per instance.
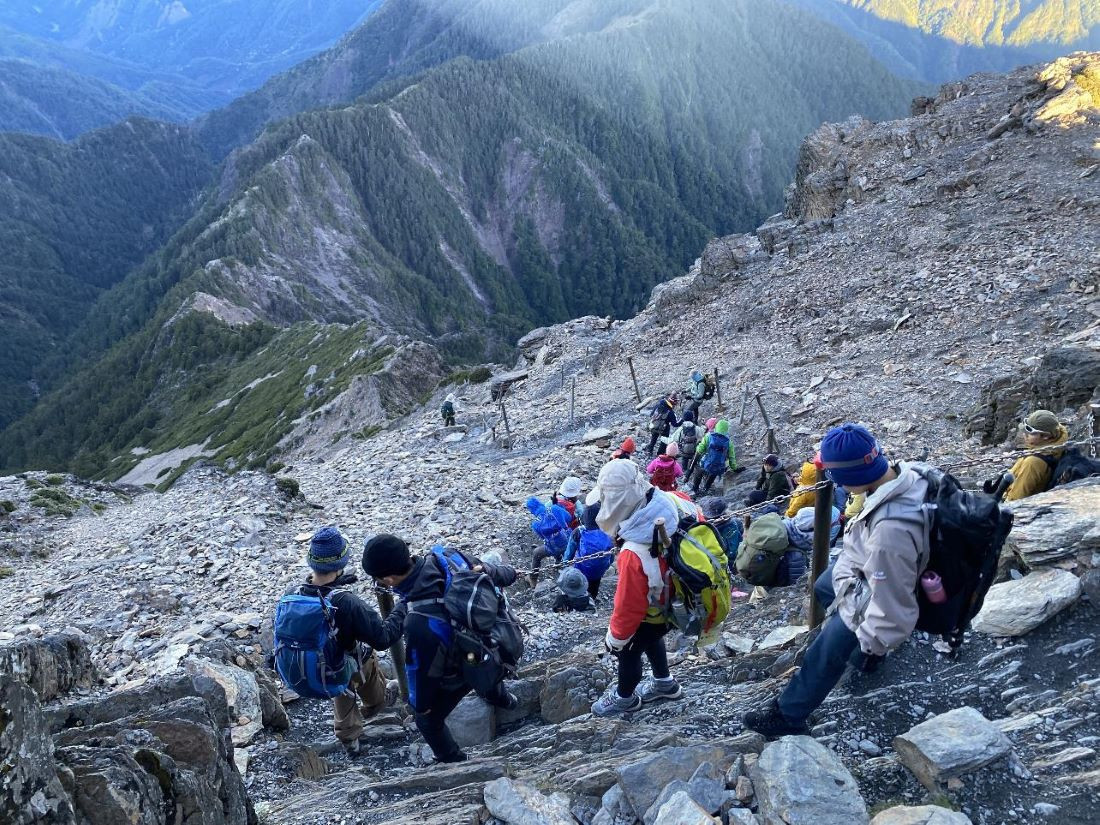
(328, 551)
(852, 456)
(689, 415)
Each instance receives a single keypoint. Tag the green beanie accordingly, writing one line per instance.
(722, 427)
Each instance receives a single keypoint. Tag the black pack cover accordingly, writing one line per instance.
(1072, 466)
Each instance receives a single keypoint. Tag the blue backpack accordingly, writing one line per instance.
(716, 459)
(308, 658)
(551, 524)
(593, 542)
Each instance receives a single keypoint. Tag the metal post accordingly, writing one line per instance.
(397, 651)
(634, 378)
(572, 400)
(823, 510)
(718, 390)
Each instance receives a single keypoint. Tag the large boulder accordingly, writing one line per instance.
(798, 781)
(566, 694)
(135, 700)
(949, 745)
(681, 809)
(473, 722)
(1014, 608)
(1067, 377)
(517, 803)
(642, 780)
(1061, 523)
(920, 815)
(52, 665)
(242, 693)
(821, 178)
(997, 412)
(30, 790)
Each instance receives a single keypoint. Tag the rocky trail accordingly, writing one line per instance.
(935, 278)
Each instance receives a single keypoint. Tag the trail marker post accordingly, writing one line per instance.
(823, 510)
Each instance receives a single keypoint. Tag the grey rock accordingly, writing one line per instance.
(950, 745)
(30, 790)
(1014, 608)
(681, 809)
(705, 787)
(1061, 523)
(518, 803)
(52, 665)
(112, 788)
(473, 722)
(500, 384)
(1066, 377)
(159, 692)
(797, 780)
(921, 815)
(242, 694)
(565, 695)
(643, 779)
(742, 816)
(528, 692)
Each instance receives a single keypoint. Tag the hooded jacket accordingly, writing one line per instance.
(808, 478)
(1032, 473)
(885, 551)
(731, 458)
(663, 471)
(775, 484)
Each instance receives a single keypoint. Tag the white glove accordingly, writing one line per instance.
(614, 645)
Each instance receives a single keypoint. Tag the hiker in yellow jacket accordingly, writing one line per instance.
(806, 498)
(1042, 431)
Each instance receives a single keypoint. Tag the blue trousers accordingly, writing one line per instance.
(824, 662)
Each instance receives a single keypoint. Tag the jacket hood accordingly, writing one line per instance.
(908, 485)
(722, 427)
(808, 476)
(621, 489)
(638, 528)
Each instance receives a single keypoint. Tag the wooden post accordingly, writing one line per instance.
(823, 518)
(634, 378)
(744, 404)
(563, 375)
(1094, 414)
(397, 651)
(718, 391)
(572, 400)
(504, 415)
(772, 442)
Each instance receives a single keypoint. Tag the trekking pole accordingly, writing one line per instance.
(572, 400)
(718, 390)
(397, 651)
(823, 510)
(634, 378)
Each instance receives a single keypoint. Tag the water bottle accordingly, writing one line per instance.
(932, 584)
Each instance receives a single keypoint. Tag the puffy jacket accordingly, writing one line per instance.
(642, 590)
(428, 637)
(885, 551)
(808, 478)
(663, 471)
(775, 483)
(1032, 473)
(791, 568)
(701, 450)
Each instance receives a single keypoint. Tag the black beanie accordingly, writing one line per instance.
(385, 555)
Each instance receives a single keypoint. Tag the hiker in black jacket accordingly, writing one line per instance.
(436, 683)
(662, 420)
(359, 631)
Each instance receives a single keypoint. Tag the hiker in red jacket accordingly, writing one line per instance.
(629, 510)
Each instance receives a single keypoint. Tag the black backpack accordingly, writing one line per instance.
(488, 639)
(1072, 466)
(965, 538)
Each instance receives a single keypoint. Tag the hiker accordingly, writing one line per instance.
(437, 681)
(716, 456)
(662, 420)
(552, 525)
(626, 449)
(629, 510)
(448, 410)
(359, 632)
(687, 437)
(800, 540)
(568, 496)
(664, 471)
(773, 481)
(729, 527)
(573, 595)
(803, 495)
(874, 578)
(696, 392)
(590, 550)
(1032, 473)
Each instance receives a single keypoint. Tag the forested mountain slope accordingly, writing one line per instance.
(471, 202)
(943, 40)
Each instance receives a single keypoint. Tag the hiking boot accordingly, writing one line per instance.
(353, 749)
(772, 723)
(653, 690)
(612, 704)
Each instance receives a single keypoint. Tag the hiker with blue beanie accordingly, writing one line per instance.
(874, 579)
(359, 631)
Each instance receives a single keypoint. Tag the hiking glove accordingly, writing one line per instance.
(614, 646)
(868, 662)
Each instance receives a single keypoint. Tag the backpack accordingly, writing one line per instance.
(716, 459)
(700, 580)
(308, 658)
(1072, 466)
(689, 439)
(487, 637)
(447, 410)
(664, 476)
(659, 417)
(593, 543)
(762, 549)
(965, 538)
(551, 524)
(710, 385)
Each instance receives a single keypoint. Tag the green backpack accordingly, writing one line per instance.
(762, 549)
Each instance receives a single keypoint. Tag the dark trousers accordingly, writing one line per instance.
(824, 662)
(649, 641)
(448, 420)
(655, 436)
(432, 724)
(705, 481)
(537, 559)
(594, 588)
